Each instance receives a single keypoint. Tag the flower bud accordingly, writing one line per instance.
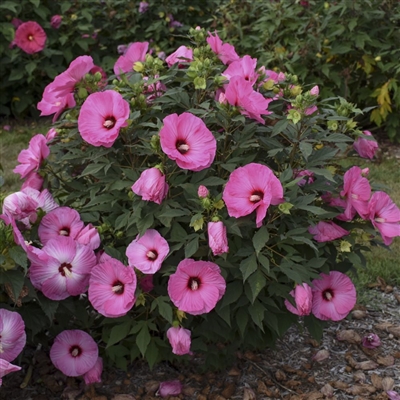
(202, 191)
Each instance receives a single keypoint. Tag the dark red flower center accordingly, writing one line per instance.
(65, 269)
(64, 231)
(152, 255)
(75, 351)
(327, 294)
(109, 122)
(256, 196)
(118, 287)
(182, 146)
(194, 283)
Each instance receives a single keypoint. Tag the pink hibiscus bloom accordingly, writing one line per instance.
(51, 103)
(12, 334)
(151, 185)
(326, 231)
(240, 93)
(196, 286)
(31, 158)
(371, 341)
(179, 338)
(135, 52)
(112, 287)
(244, 67)
(74, 352)
(102, 116)
(6, 368)
(309, 176)
(33, 180)
(55, 21)
(182, 56)
(186, 139)
(334, 296)
(364, 147)
(94, 374)
(270, 75)
(225, 51)
(61, 268)
(148, 252)
(302, 295)
(30, 37)
(217, 238)
(385, 216)
(252, 187)
(356, 191)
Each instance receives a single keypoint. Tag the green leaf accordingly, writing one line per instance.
(260, 238)
(192, 247)
(248, 266)
(164, 307)
(264, 261)
(143, 339)
(92, 169)
(18, 254)
(118, 333)
(213, 181)
(152, 353)
(257, 282)
(87, 15)
(256, 312)
(314, 326)
(36, 3)
(233, 291)
(242, 318)
(145, 223)
(306, 149)
(30, 67)
(15, 278)
(48, 306)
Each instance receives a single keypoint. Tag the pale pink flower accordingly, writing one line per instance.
(326, 231)
(364, 147)
(252, 188)
(308, 176)
(225, 51)
(151, 185)
(371, 341)
(31, 158)
(217, 238)
(6, 368)
(74, 352)
(179, 339)
(270, 75)
(94, 374)
(112, 288)
(356, 191)
(12, 334)
(310, 110)
(33, 180)
(244, 67)
(302, 295)
(153, 90)
(385, 216)
(61, 268)
(30, 37)
(314, 91)
(55, 21)
(393, 395)
(196, 286)
(182, 56)
(50, 135)
(135, 52)
(51, 103)
(202, 192)
(186, 139)
(334, 296)
(7, 128)
(102, 116)
(169, 388)
(147, 253)
(240, 93)
(143, 6)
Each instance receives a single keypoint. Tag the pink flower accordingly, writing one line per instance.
(135, 52)
(270, 75)
(50, 135)
(64, 221)
(302, 295)
(182, 56)
(393, 395)
(31, 158)
(151, 185)
(196, 286)
(385, 216)
(240, 93)
(143, 6)
(325, 231)
(7, 128)
(169, 388)
(30, 37)
(146, 283)
(186, 139)
(371, 341)
(179, 338)
(364, 147)
(153, 90)
(16, 22)
(112, 288)
(217, 238)
(202, 192)
(309, 176)
(12, 335)
(33, 180)
(61, 268)
(334, 296)
(74, 352)
(6, 368)
(148, 252)
(314, 91)
(102, 116)
(55, 21)
(356, 191)
(225, 51)
(94, 374)
(52, 104)
(244, 67)
(252, 187)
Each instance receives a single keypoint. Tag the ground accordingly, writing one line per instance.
(345, 370)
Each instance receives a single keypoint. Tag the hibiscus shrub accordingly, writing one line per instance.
(184, 207)
(39, 38)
